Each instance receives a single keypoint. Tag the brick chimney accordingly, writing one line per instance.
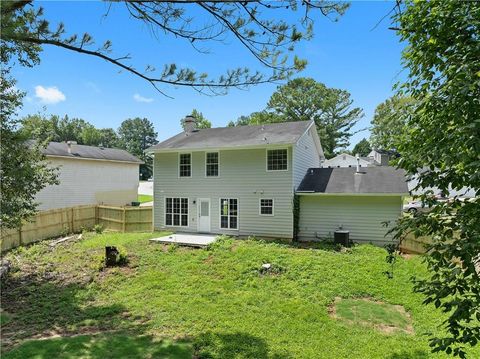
(190, 124)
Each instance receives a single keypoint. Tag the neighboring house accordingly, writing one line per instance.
(381, 157)
(90, 175)
(464, 192)
(242, 180)
(346, 160)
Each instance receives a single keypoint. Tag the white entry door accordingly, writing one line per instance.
(203, 209)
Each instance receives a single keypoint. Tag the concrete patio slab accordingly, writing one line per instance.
(184, 239)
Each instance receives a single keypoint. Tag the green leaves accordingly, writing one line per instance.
(24, 171)
(269, 33)
(441, 133)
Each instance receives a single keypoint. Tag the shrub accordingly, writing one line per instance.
(221, 242)
(122, 256)
(98, 228)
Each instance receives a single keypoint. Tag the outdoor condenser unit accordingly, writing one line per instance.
(342, 237)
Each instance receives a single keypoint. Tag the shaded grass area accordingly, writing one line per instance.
(103, 346)
(204, 303)
(142, 198)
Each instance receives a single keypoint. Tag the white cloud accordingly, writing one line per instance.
(139, 98)
(50, 95)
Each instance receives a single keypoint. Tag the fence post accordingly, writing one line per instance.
(95, 220)
(20, 241)
(72, 223)
(124, 220)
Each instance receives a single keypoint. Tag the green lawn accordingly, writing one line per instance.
(175, 302)
(142, 198)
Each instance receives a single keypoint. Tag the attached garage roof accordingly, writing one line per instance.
(370, 180)
(285, 133)
(60, 149)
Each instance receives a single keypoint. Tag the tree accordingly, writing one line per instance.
(202, 122)
(389, 121)
(24, 170)
(64, 129)
(363, 148)
(73, 130)
(304, 99)
(90, 136)
(261, 27)
(38, 127)
(136, 135)
(257, 118)
(109, 138)
(442, 137)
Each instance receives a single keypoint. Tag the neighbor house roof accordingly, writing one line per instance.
(330, 161)
(60, 149)
(370, 180)
(285, 133)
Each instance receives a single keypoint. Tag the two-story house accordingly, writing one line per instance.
(242, 181)
(233, 180)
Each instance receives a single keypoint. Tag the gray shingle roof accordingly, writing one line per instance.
(240, 136)
(89, 152)
(382, 179)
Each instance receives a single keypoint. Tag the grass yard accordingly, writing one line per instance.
(142, 198)
(175, 302)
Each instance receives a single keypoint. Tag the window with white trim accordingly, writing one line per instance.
(277, 160)
(185, 165)
(176, 212)
(211, 164)
(266, 206)
(229, 213)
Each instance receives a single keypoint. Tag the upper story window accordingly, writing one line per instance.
(277, 160)
(211, 164)
(185, 165)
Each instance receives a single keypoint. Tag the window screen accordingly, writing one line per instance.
(229, 213)
(277, 160)
(266, 207)
(176, 212)
(211, 164)
(185, 165)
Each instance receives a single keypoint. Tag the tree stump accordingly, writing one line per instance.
(111, 255)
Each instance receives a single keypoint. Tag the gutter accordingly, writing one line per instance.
(375, 194)
(94, 159)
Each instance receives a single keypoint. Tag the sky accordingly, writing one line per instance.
(350, 54)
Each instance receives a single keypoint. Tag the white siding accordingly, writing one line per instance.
(242, 175)
(305, 155)
(89, 182)
(321, 215)
(344, 160)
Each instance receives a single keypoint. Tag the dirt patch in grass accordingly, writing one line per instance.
(367, 312)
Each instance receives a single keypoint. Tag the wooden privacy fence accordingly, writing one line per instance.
(414, 245)
(125, 219)
(55, 222)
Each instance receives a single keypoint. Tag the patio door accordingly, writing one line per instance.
(203, 210)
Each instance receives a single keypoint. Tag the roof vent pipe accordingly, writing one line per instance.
(357, 156)
(189, 124)
(69, 145)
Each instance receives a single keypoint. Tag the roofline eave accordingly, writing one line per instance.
(379, 194)
(223, 148)
(94, 159)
